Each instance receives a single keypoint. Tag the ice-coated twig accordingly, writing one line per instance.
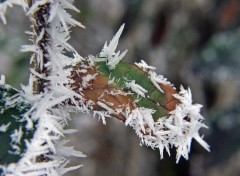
(45, 153)
(105, 85)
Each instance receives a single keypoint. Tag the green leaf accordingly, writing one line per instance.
(124, 73)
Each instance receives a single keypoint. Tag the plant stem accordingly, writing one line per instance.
(40, 24)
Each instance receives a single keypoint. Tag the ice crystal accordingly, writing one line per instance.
(136, 88)
(17, 135)
(9, 3)
(48, 108)
(4, 127)
(143, 65)
(177, 130)
(86, 79)
(158, 79)
(108, 51)
(102, 115)
(51, 107)
(2, 80)
(139, 118)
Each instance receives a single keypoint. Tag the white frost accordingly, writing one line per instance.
(136, 88)
(115, 59)
(140, 118)
(143, 65)
(16, 135)
(101, 115)
(155, 79)
(108, 52)
(87, 78)
(4, 127)
(10, 3)
(177, 130)
(158, 79)
(106, 107)
(2, 80)
(48, 108)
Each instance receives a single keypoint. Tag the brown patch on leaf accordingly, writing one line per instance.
(171, 100)
(98, 90)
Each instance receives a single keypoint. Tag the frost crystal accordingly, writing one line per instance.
(101, 115)
(9, 3)
(136, 88)
(48, 107)
(86, 79)
(108, 52)
(2, 80)
(177, 130)
(4, 127)
(158, 79)
(104, 106)
(17, 135)
(143, 65)
(47, 153)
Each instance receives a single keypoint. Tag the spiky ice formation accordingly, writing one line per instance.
(136, 94)
(47, 153)
(104, 85)
(16, 126)
(4, 4)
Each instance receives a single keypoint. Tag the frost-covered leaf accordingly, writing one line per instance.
(136, 82)
(16, 128)
(161, 116)
(111, 89)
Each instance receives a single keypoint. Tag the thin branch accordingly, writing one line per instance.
(41, 39)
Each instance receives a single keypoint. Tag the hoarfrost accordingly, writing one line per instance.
(158, 79)
(9, 3)
(143, 65)
(86, 79)
(136, 88)
(4, 127)
(108, 52)
(48, 107)
(177, 130)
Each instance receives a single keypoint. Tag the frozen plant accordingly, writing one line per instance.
(33, 120)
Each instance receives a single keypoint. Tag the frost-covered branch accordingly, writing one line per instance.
(47, 90)
(105, 85)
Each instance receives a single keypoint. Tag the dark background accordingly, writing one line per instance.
(191, 42)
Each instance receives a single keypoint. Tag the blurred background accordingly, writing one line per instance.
(195, 43)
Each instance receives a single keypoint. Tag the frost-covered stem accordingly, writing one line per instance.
(40, 39)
